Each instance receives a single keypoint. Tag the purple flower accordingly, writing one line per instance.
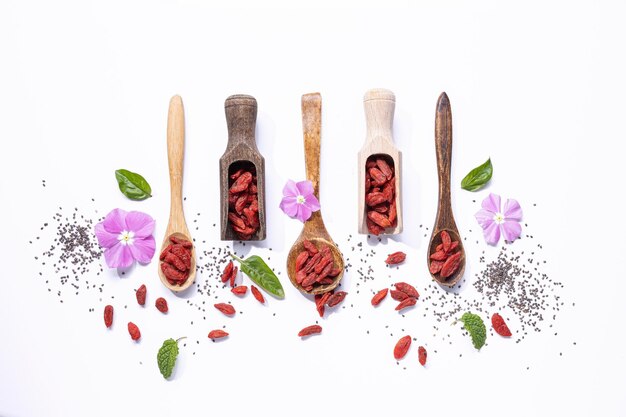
(126, 237)
(298, 200)
(492, 219)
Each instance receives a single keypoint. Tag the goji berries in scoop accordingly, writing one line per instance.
(243, 203)
(380, 194)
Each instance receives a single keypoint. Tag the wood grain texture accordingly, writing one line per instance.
(241, 112)
(314, 228)
(175, 158)
(445, 218)
(379, 107)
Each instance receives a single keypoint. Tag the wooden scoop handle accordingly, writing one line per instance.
(175, 156)
(379, 106)
(443, 148)
(241, 113)
(312, 128)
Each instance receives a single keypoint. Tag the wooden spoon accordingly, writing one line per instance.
(175, 155)
(445, 218)
(241, 152)
(379, 108)
(314, 229)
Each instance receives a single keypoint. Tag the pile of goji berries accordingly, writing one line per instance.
(404, 293)
(444, 260)
(176, 260)
(243, 203)
(380, 195)
(315, 266)
(330, 299)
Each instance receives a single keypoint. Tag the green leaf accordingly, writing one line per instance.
(261, 274)
(476, 328)
(133, 185)
(478, 177)
(166, 358)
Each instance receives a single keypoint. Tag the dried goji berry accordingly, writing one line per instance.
(406, 303)
(108, 315)
(301, 259)
(227, 271)
(377, 175)
(165, 251)
(379, 296)
(499, 325)
(309, 330)
(445, 240)
(240, 290)
(379, 219)
(161, 305)
(336, 298)
(141, 295)
(233, 276)
(334, 272)
(133, 330)
(402, 347)
(310, 246)
(375, 198)
(257, 294)
(408, 289)
(395, 258)
(241, 183)
(226, 309)
(421, 353)
(217, 334)
(451, 265)
(435, 267)
(185, 243)
(439, 256)
(384, 167)
(398, 295)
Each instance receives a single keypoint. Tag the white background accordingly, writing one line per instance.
(537, 86)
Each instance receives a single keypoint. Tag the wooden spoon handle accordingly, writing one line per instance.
(241, 113)
(379, 106)
(175, 155)
(443, 148)
(312, 127)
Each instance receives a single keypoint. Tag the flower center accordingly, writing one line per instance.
(126, 237)
(300, 199)
(498, 218)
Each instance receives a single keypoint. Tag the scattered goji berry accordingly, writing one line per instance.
(233, 276)
(226, 309)
(422, 354)
(161, 305)
(227, 271)
(133, 330)
(402, 347)
(398, 295)
(406, 303)
(309, 330)
(379, 296)
(141, 295)
(499, 325)
(408, 289)
(240, 290)
(395, 258)
(108, 315)
(217, 334)
(336, 298)
(257, 294)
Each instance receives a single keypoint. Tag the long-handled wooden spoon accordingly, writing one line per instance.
(177, 226)
(314, 229)
(445, 219)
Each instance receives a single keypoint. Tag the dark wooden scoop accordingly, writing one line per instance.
(241, 152)
(445, 218)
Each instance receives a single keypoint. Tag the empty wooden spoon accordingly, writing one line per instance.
(314, 229)
(445, 219)
(379, 108)
(175, 156)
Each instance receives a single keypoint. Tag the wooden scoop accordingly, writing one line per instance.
(175, 155)
(241, 152)
(379, 108)
(445, 219)
(314, 229)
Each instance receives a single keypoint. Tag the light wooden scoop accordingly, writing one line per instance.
(314, 229)
(379, 109)
(175, 156)
(445, 219)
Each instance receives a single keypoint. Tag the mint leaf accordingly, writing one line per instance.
(476, 328)
(133, 185)
(166, 358)
(478, 177)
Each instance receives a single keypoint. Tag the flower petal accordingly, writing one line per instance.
(143, 249)
(118, 256)
(139, 223)
(289, 205)
(492, 233)
(115, 222)
(312, 203)
(484, 218)
(105, 239)
(290, 189)
(304, 213)
(492, 203)
(511, 230)
(512, 210)
(305, 188)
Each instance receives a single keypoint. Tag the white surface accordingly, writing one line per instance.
(538, 86)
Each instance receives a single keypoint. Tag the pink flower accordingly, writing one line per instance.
(126, 237)
(298, 200)
(493, 220)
